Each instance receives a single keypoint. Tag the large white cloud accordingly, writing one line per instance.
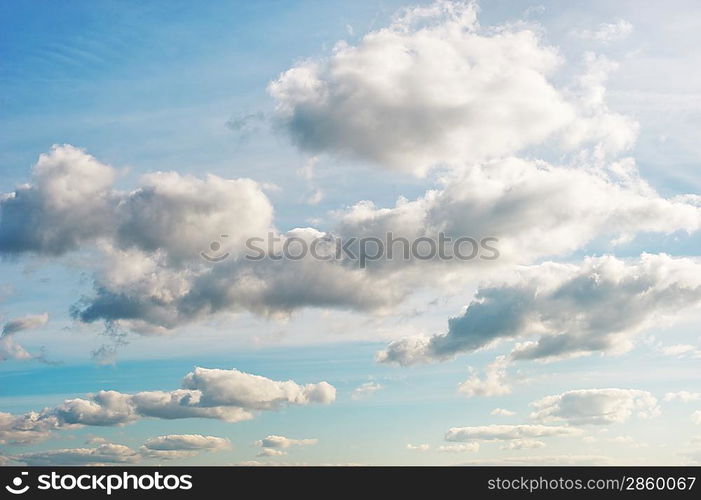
(151, 276)
(71, 201)
(595, 406)
(571, 309)
(535, 209)
(68, 202)
(229, 395)
(435, 87)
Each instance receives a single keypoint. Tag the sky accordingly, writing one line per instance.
(140, 142)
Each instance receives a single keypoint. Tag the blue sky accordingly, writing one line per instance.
(600, 159)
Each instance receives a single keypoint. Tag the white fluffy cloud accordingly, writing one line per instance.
(513, 199)
(573, 309)
(595, 406)
(68, 202)
(696, 417)
(151, 276)
(228, 395)
(435, 87)
(494, 383)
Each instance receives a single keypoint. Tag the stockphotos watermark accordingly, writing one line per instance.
(360, 250)
(97, 482)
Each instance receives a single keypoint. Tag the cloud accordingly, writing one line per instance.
(69, 202)
(523, 444)
(459, 448)
(501, 412)
(495, 382)
(9, 348)
(682, 396)
(434, 87)
(696, 417)
(229, 395)
(507, 432)
(595, 406)
(150, 275)
(187, 442)
(273, 446)
(418, 447)
(28, 428)
(607, 32)
(176, 446)
(273, 441)
(102, 455)
(171, 447)
(596, 306)
(681, 350)
(366, 390)
(544, 460)
(30, 322)
(270, 452)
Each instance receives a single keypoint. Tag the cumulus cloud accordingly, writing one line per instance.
(696, 417)
(229, 395)
(494, 383)
(152, 241)
(9, 348)
(434, 87)
(366, 390)
(151, 275)
(595, 306)
(595, 406)
(68, 202)
(511, 200)
(508, 432)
